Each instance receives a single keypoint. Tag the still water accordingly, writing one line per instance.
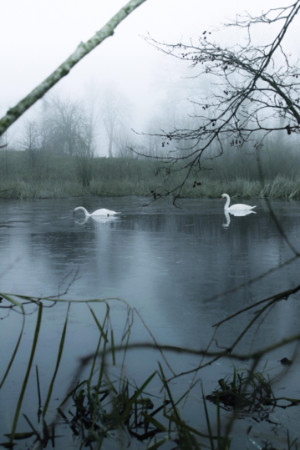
(182, 268)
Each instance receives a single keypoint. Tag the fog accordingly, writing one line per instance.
(125, 70)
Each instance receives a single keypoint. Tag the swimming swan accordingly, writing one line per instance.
(235, 209)
(103, 212)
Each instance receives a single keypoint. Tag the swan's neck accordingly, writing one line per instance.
(87, 214)
(227, 201)
(84, 210)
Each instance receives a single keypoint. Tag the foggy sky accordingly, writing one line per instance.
(38, 35)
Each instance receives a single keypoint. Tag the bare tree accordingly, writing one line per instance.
(256, 90)
(64, 123)
(31, 141)
(86, 148)
(115, 113)
(110, 121)
(68, 128)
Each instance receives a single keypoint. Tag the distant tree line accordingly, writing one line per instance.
(63, 127)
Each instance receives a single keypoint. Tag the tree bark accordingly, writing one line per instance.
(81, 51)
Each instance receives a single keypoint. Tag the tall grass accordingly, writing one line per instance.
(102, 405)
(266, 174)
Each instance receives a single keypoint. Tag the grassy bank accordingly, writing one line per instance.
(277, 188)
(47, 175)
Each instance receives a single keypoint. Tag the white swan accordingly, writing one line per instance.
(103, 212)
(238, 207)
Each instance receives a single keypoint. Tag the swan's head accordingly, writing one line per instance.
(74, 210)
(224, 196)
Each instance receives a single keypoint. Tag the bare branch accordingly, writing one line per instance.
(81, 51)
(257, 90)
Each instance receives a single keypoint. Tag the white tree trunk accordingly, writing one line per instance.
(81, 51)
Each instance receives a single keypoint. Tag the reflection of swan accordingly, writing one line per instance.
(238, 208)
(227, 217)
(97, 219)
(239, 213)
(103, 212)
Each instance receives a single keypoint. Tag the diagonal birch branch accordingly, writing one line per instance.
(81, 51)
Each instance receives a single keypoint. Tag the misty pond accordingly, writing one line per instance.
(168, 274)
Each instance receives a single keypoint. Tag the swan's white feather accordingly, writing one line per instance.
(102, 212)
(237, 207)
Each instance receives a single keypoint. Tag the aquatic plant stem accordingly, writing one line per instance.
(15, 303)
(60, 351)
(21, 397)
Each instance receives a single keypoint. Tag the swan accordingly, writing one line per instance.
(103, 212)
(238, 207)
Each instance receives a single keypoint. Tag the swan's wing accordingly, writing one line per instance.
(104, 219)
(240, 207)
(103, 212)
(241, 213)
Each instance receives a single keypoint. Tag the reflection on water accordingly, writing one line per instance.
(236, 214)
(98, 219)
(172, 264)
(165, 261)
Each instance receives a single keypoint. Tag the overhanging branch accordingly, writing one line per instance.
(83, 49)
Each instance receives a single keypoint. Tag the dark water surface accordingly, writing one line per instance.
(178, 267)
